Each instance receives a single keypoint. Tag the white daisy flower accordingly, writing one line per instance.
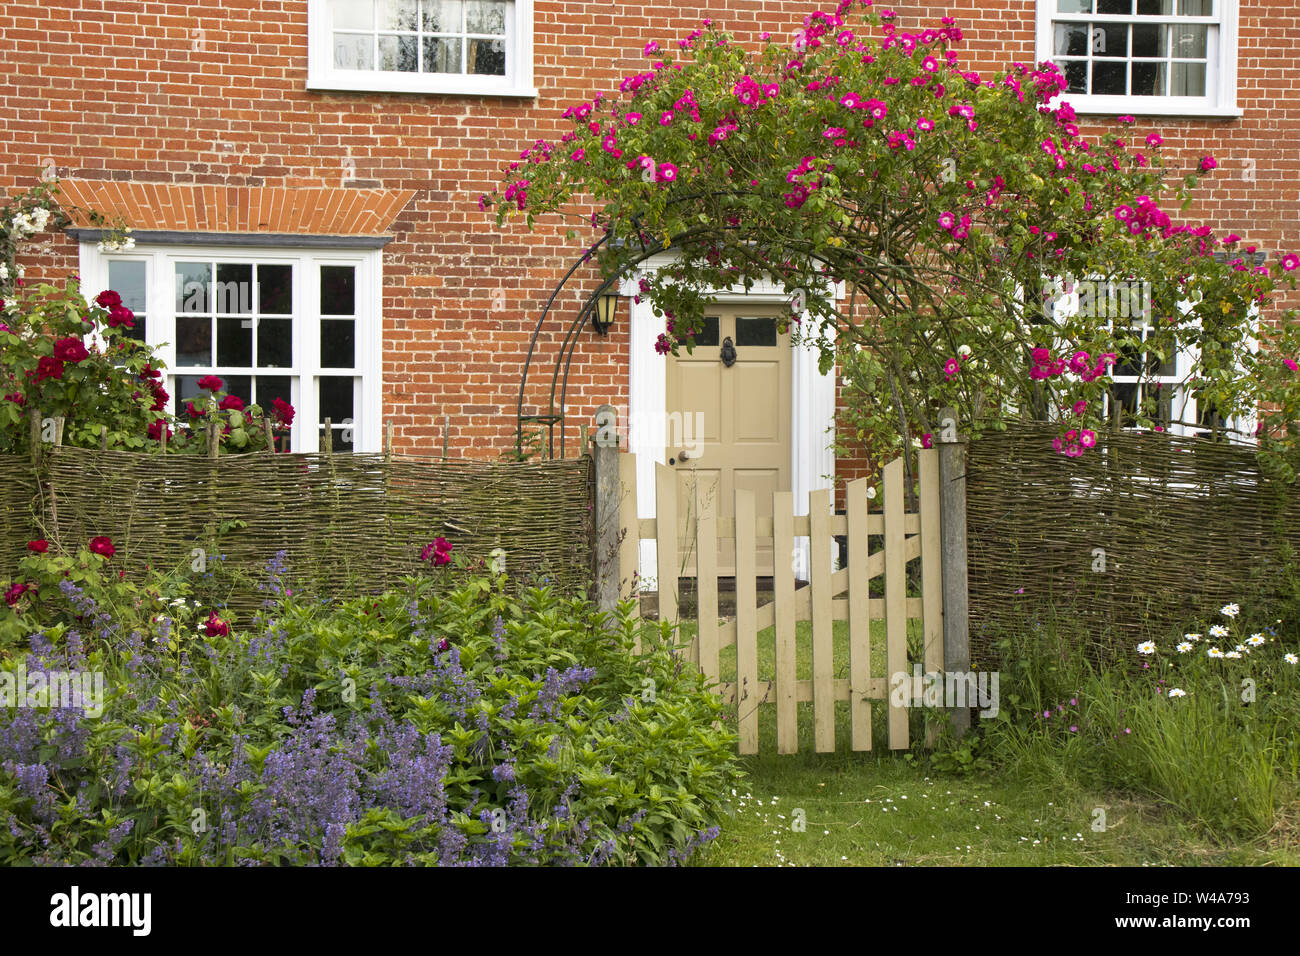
(1147, 647)
(1192, 637)
(1213, 652)
(1184, 647)
(1241, 647)
(1218, 630)
(1233, 654)
(1255, 640)
(1177, 692)
(1291, 659)
(1230, 610)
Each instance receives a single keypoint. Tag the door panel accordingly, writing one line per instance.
(733, 422)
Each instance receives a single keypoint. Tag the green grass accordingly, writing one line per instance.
(879, 810)
(884, 808)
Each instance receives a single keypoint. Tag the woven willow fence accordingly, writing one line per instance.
(1141, 535)
(344, 521)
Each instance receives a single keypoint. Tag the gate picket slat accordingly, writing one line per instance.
(859, 616)
(706, 583)
(823, 641)
(747, 699)
(629, 549)
(666, 541)
(787, 710)
(895, 598)
(931, 570)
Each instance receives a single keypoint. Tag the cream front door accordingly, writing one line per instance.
(728, 421)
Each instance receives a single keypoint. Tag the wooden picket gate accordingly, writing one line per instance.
(829, 595)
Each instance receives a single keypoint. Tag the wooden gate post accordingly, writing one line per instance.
(606, 511)
(952, 519)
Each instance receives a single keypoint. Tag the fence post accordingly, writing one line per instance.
(605, 507)
(952, 520)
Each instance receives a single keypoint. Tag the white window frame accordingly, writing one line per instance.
(1221, 70)
(518, 81)
(160, 329)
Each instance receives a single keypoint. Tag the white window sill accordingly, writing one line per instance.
(372, 82)
(1148, 106)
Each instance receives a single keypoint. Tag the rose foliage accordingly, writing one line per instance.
(933, 228)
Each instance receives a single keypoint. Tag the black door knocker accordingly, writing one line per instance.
(728, 352)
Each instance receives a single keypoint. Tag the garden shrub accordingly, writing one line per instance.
(460, 720)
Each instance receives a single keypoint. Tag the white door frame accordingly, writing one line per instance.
(812, 396)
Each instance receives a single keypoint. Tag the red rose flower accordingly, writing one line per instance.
(15, 592)
(39, 546)
(156, 428)
(160, 396)
(102, 544)
(210, 383)
(283, 411)
(70, 350)
(215, 626)
(439, 549)
(194, 412)
(48, 367)
(121, 316)
(232, 402)
(108, 299)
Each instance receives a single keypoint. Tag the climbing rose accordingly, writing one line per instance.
(102, 544)
(439, 549)
(108, 299)
(48, 367)
(70, 350)
(210, 383)
(283, 411)
(39, 546)
(215, 626)
(1290, 262)
(1208, 163)
(232, 402)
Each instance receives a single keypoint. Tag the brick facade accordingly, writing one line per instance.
(154, 92)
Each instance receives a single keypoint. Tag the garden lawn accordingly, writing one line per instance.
(888, 808)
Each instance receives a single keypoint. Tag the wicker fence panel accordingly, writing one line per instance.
(345, 521)
(1142, 534)
(18, 496)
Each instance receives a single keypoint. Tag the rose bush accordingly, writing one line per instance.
(947, 208)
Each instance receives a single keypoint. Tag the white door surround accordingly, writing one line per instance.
(812, 418)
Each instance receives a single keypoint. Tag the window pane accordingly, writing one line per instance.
(127, 279)
(275, 290)
(441, 56)
(1109, 78)
(1187, 79)
(1189, 40)
(337, 343)
(186, 388)
(137, 329)
(192, 281)
(398, 54)
(708, 334)
(235, 342)
(1110, 39)
(398, 15)
(352, 14)
(335, 398)
(274, 343)
(442, 16)
(485, 17)
(338, 290)
(271, 387)
(1115, 6)
(1071, 39)
(1155, 8)
(342, 439)
(487, 57)
(1076, 75)
(1196, 8)
(1148, 79)
(241, 385)
(193, 340)
(755, 331)
(1149, 40)
(1074, 6)
(354, 51)
(234, 289)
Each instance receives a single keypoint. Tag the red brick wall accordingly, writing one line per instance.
(118, 90)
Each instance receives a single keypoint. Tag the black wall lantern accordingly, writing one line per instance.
(604, 314)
